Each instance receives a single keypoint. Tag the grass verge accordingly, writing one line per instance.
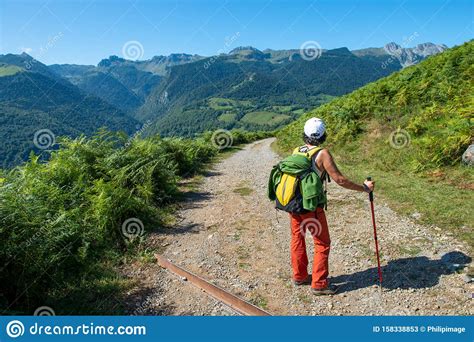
(442, 197)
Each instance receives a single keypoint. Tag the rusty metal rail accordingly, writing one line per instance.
(239, 305)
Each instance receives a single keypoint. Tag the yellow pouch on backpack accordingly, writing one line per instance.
(286, 189)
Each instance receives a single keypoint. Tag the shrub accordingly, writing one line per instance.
(61, 220)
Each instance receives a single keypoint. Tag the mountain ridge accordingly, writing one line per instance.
(180, 94)
(38, 99)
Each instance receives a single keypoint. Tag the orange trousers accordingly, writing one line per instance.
(314, 222)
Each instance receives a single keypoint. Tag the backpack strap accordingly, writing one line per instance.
(312, 154)
(306, 151)
(323, 175)
(313, 164)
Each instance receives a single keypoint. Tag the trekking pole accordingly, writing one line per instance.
(371, 198)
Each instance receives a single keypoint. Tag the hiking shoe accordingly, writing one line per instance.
(325, 291)
(306, 281)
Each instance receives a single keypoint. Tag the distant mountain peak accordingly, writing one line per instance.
(17, 57)
(392, 46)
(338, 51)
(248, 53)
(111, 60)
(174, 58)
(241, 49)
(180, 55)
(25, 55)
(429, 48)
(409, 56)
(28, 63)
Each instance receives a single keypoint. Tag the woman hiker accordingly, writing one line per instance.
(314, 219)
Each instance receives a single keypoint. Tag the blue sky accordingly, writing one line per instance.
(84, 32)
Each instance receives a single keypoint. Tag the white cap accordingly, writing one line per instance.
(314, 126)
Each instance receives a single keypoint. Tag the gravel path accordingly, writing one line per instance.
(230, 234)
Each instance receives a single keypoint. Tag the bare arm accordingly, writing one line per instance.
(330, 166)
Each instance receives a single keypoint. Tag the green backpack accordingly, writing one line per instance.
(296, 185)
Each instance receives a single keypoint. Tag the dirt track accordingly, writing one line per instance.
(230, 234)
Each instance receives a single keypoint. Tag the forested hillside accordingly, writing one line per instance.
(34, 100)
(251, 91)
(123, 83)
